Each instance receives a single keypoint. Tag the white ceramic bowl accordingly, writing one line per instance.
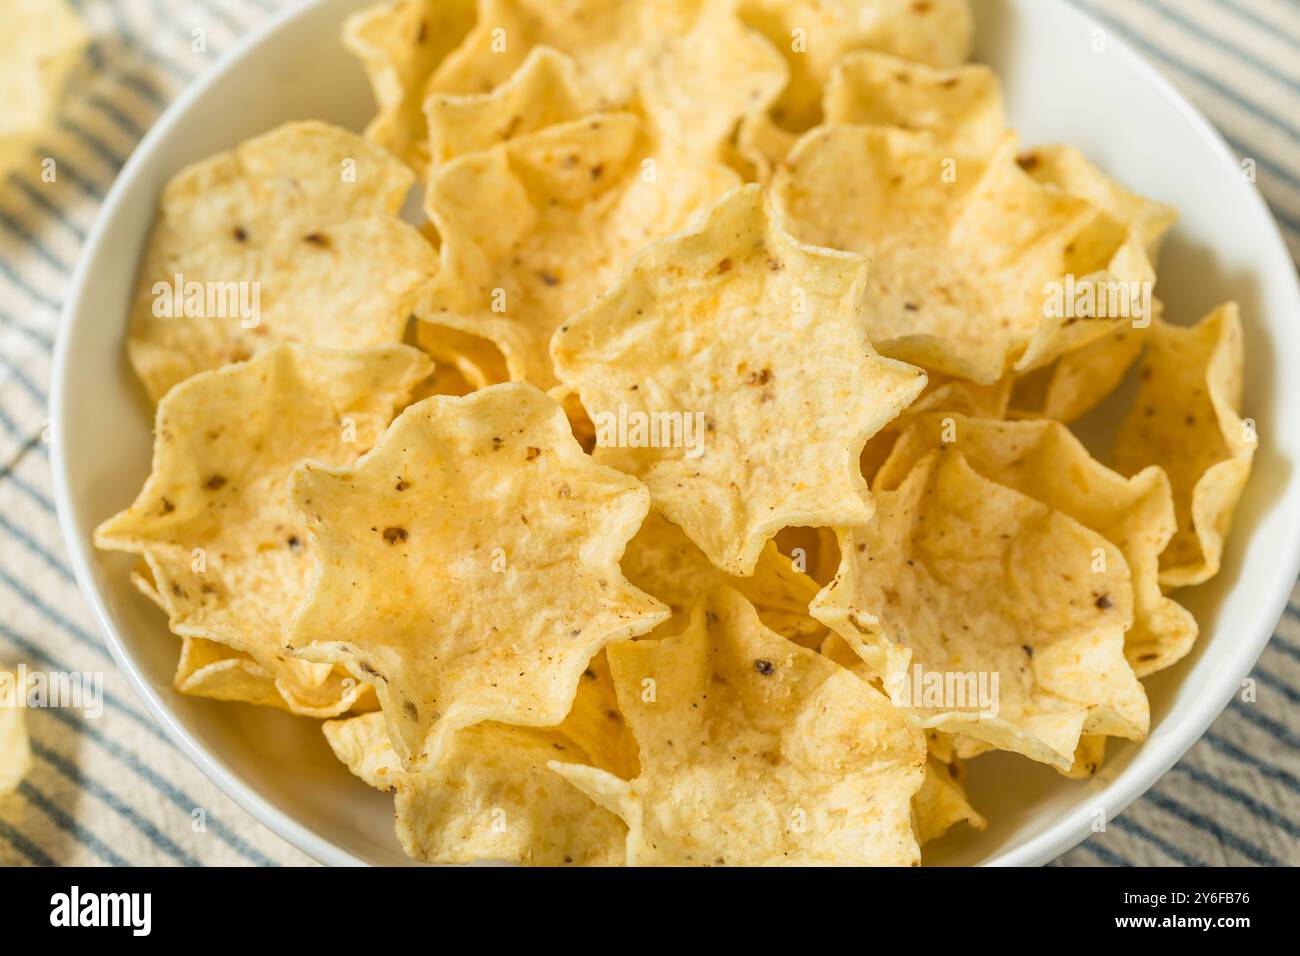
(1058, 86)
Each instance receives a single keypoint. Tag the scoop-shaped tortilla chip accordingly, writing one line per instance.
(534, 229)
(227, 561)
(941, 394)
(468, 566)
(1043, 459)
(15, 751)
(1186, 419)
(209, 669)
(961, 107)
(989, 614)
(941, 803)
(1074, 384)
(962, 248)
(1079, 380)
(755, 751)
(492, 797)
(742, 350)
(814, 36)
(400, 44)
(595, 722)
(690, 66)
(661, 560)
(544, 91)
(1067, 169)
(294, 237)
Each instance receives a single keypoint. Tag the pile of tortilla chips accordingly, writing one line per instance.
(696, 484)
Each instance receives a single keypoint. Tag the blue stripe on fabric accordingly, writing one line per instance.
(45, 504)
(1229, 792)
(35, 547)
(51, 208)
(1225, 836)
(1227, 46)
(1103, 853)
(25, 847)
(1276, 683)
(84, 183)
(35, 652)
(1140, 40)
(168, 789)
(1265, 723)
(30, 291)
(107, 155)
(1283, 646)
(104, 795)
(223, 17)
(1165, 847)
(141, 85)
(125, 123)
(21, 231)
(51, 615)
(18, 375)
(64, 822)
(86, 727)
(22, 328)
(1274, 773)
(1262, 161)
(1245, 13)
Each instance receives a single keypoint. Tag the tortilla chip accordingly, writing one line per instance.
(761, 146)
(209, 669)
(468, 566)
(493, 797)
(941, 394)
(1067, 169)
(596, 724)
(689, 66)
(961, 107)
(1043, 460)
(15, 752)
(274, 224)
(544, 91)
(400, 45)
(941, 803)
(227, 561)
(41, 44)
(1186, 419)
(755, 751)
(739, 331)
(961, 247)
(1079, 380)
(533, 230)
(814, 35)
(967, 579)
(661, 560)
(812, 551)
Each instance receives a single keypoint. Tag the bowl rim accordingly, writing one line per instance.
(1151, 763)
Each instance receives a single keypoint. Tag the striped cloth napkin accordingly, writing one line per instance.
(113, 790)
